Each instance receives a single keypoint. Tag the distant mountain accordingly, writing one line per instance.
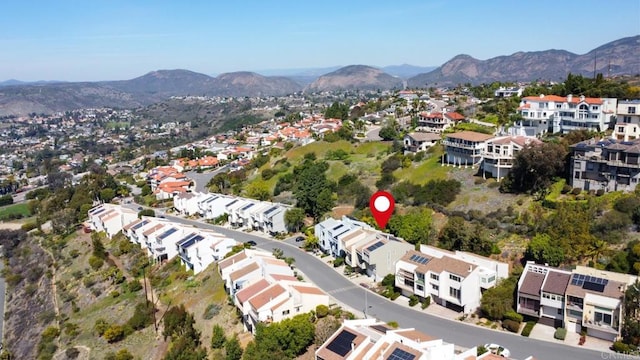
(12, 82)
(352, 77)
(144, 90)
(244, 83)
(406, 71)
(620, 57)
(315, 72)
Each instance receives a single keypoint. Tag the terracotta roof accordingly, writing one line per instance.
(470, 136)
(131, 224)
(251, 290)
(312, 290)
(251, 267)
(280, 277)
(266, 296)
(532, 283)
(574, 99)
(455, 116)
(556, 282)
(153, 229)
(109, 216)
(232, 260)
(276, 306)
(438, 265)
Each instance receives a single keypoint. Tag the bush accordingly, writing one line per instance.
(338, 262)
(115, 293)
(565, 189)
(95, 262)
(142, 316)
(527, 328)
(74, 253)
(389, 280)
(621, 347)
(72, 352)
(560, 334)
(134, 285)
(576, 191)
(426, 302)
(512, 315)
(100, 326)
(322, 311)
(413, 300)
(600, 192)
(511, 325)
(211, 311)
(28, 226)
(114, 333)
(393, 324)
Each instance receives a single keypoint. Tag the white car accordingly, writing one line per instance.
(498, 350)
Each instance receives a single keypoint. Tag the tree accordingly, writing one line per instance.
(310, 183)
(294, 219)
(388, 133)
(542, 250)
(496, 301)
(98, 246)
(107, 195)
(233, 349)
(146, 212)
(258, 190)
(218, 338)
(534, 168)
(415, 227)
(325, 328)
(454, 232)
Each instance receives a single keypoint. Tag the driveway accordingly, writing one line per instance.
(373, 133)
(353, 296)
(202, 179)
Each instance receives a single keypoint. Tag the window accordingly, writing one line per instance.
(626, 119)
(420, 287)
(602, 318)
(454, 277)
(631, 110)
(435, 277)
(435, 287)
(285, 312)
(621, 129)
(595, 108)
(559, 311)
(454, 293)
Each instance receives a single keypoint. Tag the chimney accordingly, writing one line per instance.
(470, 268)
(353, 346)
(569, 98)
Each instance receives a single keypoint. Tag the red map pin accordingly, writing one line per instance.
(381, 205)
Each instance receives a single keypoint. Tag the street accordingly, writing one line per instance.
(347, 293)
(202, 179)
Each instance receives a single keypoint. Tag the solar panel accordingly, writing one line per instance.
(419, 259)
(399, 354)
(167, 233)
(341, 345)
(593, 286)
(380, 328)
(375, 246)
(589, 282)
(138, 226)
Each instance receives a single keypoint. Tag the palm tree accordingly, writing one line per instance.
(597, 249)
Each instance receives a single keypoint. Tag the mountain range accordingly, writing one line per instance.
(620, 57)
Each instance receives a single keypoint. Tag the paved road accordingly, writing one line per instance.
(373, 134)
(345, 292)
(2, 300)
(202, 179)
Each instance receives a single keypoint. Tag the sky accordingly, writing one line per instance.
(91, 40)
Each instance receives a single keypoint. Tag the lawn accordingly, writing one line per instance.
(422, 172)
(14, 211)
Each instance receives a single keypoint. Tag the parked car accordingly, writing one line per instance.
(498, 350)
(300, 238)
(251, 243)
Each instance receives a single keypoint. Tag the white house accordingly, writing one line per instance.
(452, 279)
(499, 153)
(110, 218)
(420, 141)
(187, 203)
(330, 231)
(464, 148)
(627, 127)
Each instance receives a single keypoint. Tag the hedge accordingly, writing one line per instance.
(511, 325)
(512, 315)
(560, 333)
(527, 328)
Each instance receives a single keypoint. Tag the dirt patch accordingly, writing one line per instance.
(10, 226)
(341, 210)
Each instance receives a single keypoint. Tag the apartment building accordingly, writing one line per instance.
(372, 339)
(499, 154)
(331, 231)
(607, 164)
(110, 218)
(464, 148)
(583, 299)
(265, 290)
(627, 127)
(451, 279)
(559, 114)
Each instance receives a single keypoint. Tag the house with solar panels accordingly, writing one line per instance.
(605, 164)
(198, 249)
(583, 299)
(330, 233)
(110, 218)
(455, 280)
(372, 339)
(161, 245)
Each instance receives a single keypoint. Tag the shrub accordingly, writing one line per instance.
(74, 254)
(565, 189)
(134, 285)
(338, 262)
(413, 300)
(621, 347)
(89, 281)
(478, 181)
(142, 316)
(393, 324)
(72, 353)
(322, 311)
(100, 326)
(527, 328)
(95, 262)
(217, 337)
(600, 192)
(512, 315)
(115, 293)
(28, 226)
(576, 191)
(114, 333)
(426, 302)
(211, 311)
(560, 334)
(511, 325)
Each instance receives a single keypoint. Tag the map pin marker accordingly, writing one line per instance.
(381, 205)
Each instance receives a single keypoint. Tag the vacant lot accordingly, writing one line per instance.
(14, 211)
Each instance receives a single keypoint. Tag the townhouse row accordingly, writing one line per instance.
(582, 299)
(370, 339)
(265, 289)
(163, 239)
(452, 279)
(242, 213)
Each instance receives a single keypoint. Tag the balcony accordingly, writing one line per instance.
(599, 325)
(460, 145)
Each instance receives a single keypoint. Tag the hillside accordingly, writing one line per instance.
(355, 77)
(244, 83)
(620, 57)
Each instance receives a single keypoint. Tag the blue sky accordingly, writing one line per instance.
(112, 40)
